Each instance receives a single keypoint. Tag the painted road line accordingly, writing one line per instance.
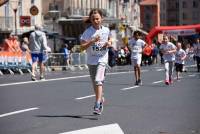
(89, 96)
(160, 70)
(156, 82)
(47, 80)
(192, 75)
(124, 89)
(18, 112)
(105, 129)
(64, 78)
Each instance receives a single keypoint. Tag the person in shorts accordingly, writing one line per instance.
(38, 47)
(179, 60)
(96, 41)
(136, 45)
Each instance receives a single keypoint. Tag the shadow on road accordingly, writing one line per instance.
(89, 117)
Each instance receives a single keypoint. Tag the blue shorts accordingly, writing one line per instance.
(37, 57)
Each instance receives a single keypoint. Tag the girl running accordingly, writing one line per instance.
(168, 49)
(96, 40)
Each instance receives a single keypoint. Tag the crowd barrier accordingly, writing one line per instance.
(20, 61)
(58, 61)
(15, 61)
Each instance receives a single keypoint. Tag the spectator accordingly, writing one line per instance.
(66, 55)
(155, 52)
(12, 44)
(25, 45)
(39, 49)
(111, 57)
(197, 53)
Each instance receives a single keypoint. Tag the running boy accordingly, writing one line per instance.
(136, 46)
(179, 59)
(95, 40)
(168, 49)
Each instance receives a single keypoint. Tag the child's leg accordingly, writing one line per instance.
(99, 79)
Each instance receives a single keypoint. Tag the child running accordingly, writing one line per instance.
(179, 60)
(136, 46)
(96, 40)
(168, 49)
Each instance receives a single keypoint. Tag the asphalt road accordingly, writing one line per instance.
(64, 101)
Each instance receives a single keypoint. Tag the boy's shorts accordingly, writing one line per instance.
(37, 57)
(136, 61)
(179, 67)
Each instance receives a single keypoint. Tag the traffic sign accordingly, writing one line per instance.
(34, 10)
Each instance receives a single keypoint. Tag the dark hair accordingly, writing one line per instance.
(137, 33)
(94, 11)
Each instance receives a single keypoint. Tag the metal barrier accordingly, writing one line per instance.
(15, 61)
(12, 62)
(57, 61)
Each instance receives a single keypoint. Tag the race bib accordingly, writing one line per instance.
(136, 49)
(97, 49)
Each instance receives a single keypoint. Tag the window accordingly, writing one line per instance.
(195, 16)
(184, 4)
(195, 4)
(184, 16)
(32, 1)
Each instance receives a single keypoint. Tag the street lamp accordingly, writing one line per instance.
(54, 14)
(14, 4)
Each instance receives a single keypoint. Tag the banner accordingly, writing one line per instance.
(180, 32)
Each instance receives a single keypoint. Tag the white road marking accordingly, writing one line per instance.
(89, 96)
(105, 129)
(156, 82)
(192, 75)
(160, 70)
(56, 79)
(17, 112)
(128, 88)
(64, 78)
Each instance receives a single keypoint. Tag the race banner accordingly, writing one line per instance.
(180, 32)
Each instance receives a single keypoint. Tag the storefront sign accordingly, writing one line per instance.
(25, 21)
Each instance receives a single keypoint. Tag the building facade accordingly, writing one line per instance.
(169, 13)
(22, 8)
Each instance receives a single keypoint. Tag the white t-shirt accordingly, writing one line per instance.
(180, 54)
(95, 52)
(168, 47)
(136, 47)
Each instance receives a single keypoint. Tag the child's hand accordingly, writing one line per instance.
(95, 39)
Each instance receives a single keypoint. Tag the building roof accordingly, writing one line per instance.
(149, 2)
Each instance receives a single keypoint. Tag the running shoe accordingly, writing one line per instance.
(97, 109)
(33, 78)
(166, 82)
(139, 82)
(136, 83)
(171, 81)
(42, 78)
(101, 104)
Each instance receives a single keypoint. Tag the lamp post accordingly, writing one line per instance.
(54, 14)
(14, 5)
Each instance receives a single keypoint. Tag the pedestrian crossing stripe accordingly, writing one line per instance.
(105, 129)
